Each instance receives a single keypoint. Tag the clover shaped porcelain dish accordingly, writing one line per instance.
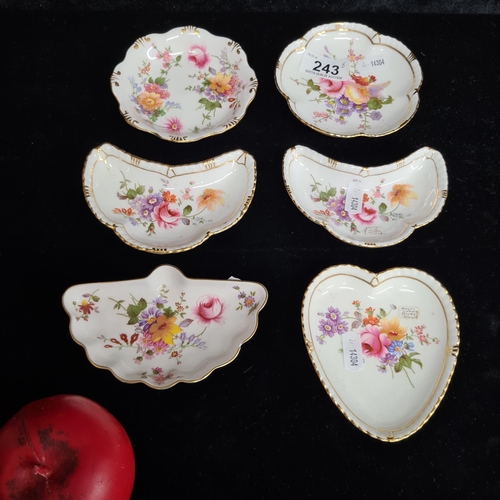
(184, 85)
(346, 80)
(371, 207)
(165, 328)
(165, 209)
(384, 345)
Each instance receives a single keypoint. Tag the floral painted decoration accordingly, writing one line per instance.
(160, 208)
(155, 328)
(359, 97)
(217, 84)
(378, 206)
(151, 94)
(382, 338)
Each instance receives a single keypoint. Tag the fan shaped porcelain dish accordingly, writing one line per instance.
(184, 85)
(164, 209)
(383, 345)
(346, 80)
(166, 328)
(367, 206)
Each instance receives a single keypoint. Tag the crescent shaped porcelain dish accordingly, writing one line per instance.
(184, 85)
(165, 209)
(384, 345)
(367, 206)
(166, 328)
(346, 80)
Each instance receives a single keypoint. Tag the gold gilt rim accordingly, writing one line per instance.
(253, 84)
(135, 161)
(442, 190)
(178, 381)
(409, 57)
(453, 330)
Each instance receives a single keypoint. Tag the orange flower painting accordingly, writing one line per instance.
(211, 198)
(401, 194)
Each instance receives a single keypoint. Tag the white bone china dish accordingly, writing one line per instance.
(165, 328)
(160, 208)
(384, 345)
(367, 206)
(347, 80)
(184, 85)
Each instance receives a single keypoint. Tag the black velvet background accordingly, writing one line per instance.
(261, 427)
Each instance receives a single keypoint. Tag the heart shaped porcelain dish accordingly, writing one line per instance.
(164, 209)
(372, 207)
(166, 328)
(346, 80)
(383, 345)
(184, 85)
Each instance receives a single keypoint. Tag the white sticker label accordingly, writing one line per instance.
(351, 345)
(324, 67)
(379, 63)
(354, 197)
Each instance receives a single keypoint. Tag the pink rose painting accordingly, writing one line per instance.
(373, 343)
(366, 216)
(198, 55)
(209, 308)
(166, 215)
(332, 88)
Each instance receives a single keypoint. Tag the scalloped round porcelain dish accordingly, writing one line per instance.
(184, 85)
(165, 209)
(346, 80)
(384, 345)
(165, 328)
(367, 206)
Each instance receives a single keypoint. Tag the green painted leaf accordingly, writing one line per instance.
(413, 354)
(133, 321)
(95, 298)
(388, 100)
(382, 208)
(374, 103)
(332, 192)
(383, 313)
(417, 361)
(187, 210)
(142, 304)
(150, 80)
(398, 367)
(405, 360)
(178, 58)
(209, 105)
(160, 81)
(308, 91)
(324, 196)
(141, 190)
(131, 194)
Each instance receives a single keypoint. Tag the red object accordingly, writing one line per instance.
(66, 448)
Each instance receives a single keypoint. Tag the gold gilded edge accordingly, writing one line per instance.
(244, 204)
(339, 27)
(450, 351)
(178, 381)
(333, 164)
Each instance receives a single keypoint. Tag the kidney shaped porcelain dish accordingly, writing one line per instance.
(166, 328)
(372, 207)
(164, 209)
(184, 85)
(346, 80)
(383, 345)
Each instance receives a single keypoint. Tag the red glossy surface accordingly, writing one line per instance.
(65, 447)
